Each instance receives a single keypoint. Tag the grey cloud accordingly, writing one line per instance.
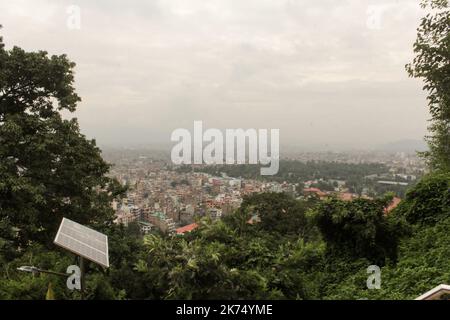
(314, 69)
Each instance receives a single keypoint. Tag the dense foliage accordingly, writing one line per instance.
(429, 201)
(359, 229)
(432, 64)
(299, 250)
(47, 167)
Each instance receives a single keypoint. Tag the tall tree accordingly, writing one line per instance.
(48, 169)
(359, 228)
(432, 63)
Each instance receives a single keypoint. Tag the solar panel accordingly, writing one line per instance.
(83, 241)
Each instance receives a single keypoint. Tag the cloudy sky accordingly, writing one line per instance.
(327, 73)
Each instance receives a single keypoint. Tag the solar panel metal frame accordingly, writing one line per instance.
(85, 249)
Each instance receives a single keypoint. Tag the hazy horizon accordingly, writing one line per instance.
(329, 75)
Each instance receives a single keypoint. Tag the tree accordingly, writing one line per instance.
(423, 264)
(279, 213)
(432, 63)
(217, 262)
(18, 285)
(48, 169)
(429, 201)
(358, 229)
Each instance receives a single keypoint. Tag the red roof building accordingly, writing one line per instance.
(316, 191)
(187, 228)
(395, 202)
(346, 196)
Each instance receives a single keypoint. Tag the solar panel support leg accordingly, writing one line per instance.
(82, 281)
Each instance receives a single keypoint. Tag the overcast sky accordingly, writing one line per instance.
(327, 73)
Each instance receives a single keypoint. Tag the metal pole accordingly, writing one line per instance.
(65, 275)
(82, 277)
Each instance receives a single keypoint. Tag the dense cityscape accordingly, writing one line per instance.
(170, 199)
